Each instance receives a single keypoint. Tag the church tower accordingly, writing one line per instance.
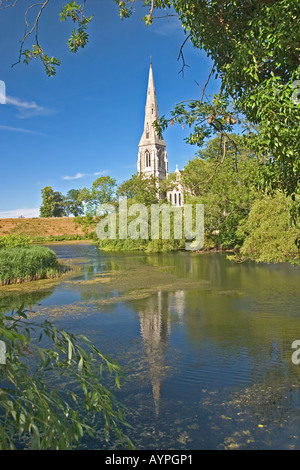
(152, 156)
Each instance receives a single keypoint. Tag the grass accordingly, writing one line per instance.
(23, 264)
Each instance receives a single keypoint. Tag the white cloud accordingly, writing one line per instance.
(19, 129)
(27, 109)
(15, 213)
(84, 175)
(75, 177)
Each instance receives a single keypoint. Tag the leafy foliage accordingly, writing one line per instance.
(73, 202)
(228, 195)
(78, 39)
(52, 203)
(87, 223)
(101, 192)
(136, 233)
(141, 188)
(51, 387)
(13, 240)
(269, 234)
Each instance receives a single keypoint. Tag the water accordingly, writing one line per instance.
(204, 342)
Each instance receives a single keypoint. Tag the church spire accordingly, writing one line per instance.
(152, 159)
(150, 136)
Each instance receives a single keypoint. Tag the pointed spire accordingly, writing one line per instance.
(150, 136)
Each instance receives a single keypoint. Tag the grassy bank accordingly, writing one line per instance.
(29, 263)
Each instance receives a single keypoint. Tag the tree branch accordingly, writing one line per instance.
(7, 6)
(34, 27)
(207, 81)
(182, 56)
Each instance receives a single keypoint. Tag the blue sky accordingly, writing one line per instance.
(87, 121)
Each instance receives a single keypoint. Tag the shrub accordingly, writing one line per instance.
(10, 241)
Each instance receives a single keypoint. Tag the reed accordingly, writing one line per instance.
(23, 264)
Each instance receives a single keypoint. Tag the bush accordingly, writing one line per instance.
(10, 241)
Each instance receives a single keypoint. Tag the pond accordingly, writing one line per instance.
(205, 343)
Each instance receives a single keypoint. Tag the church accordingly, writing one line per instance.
(152, 155)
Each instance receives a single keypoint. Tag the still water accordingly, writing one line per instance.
(205, 343)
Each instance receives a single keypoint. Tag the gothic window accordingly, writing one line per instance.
(147, 159)
(170, 198)
(179, 199)
(160, 159)
(147, 131)
(175, 199)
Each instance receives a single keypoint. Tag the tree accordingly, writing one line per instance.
(73, 202)
(47, 197)
(269, 234)
(52, 203)
(101, 192)
(227, 190)
(143, 189)
(58, 201)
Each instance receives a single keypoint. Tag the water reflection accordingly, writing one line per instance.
(155, 323)
(155, 330)
(216, 338)
(13, 298)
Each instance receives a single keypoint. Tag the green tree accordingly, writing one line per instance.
(143, 189)
(269, 233)
(227, 189)
(52, 203)
(101, 192)
(59, 207)
(46, 208)
(73, 202)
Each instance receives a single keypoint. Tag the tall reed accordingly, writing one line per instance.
(21, 264)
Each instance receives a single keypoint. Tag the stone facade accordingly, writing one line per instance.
(175, 195)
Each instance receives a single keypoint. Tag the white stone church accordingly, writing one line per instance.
(152, 156)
